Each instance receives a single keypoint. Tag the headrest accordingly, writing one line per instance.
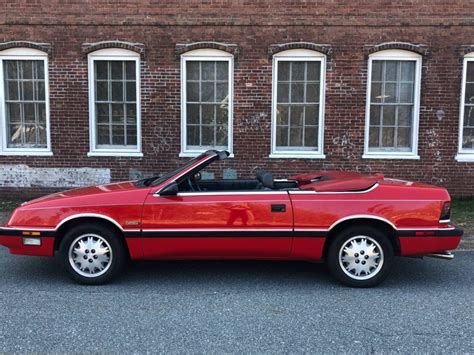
(265, 177)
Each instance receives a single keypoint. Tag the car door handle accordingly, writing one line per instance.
(278, 208)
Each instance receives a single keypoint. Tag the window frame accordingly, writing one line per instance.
(113, 54)
(22, 53)
(206, 54)
(463, 154)
(394, 55)
(299, 55)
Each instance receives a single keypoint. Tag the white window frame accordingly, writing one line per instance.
(22, 53)
(206, 54)
(398, 55)
(303, 55)
(464, 155)
(113, 54)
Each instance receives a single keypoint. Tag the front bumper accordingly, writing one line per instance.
(14, 239)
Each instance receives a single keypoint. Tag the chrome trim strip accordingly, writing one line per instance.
(28, 229)
(444, 221)
(360, 216)
(93, 215)
(231, 193)
(306, 192)
(219, 230)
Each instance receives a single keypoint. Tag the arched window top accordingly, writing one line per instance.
(136, 48)
(298, 53)
(469, 55)
(186, 48)
(419, 49)
(23, 51)
(207, 52)
(395, 53)
(279, 48)
(114, 52)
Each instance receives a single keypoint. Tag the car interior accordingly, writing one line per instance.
(263, 181)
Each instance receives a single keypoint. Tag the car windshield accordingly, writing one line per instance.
(156, 180)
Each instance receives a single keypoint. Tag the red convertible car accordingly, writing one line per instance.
(355, 223)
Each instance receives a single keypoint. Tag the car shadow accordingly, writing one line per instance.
(229, 275)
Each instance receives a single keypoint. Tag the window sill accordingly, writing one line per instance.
(195, 154)
(296, 155)
(390, 156)
(115, 154)
(27, 153)
(465, 158)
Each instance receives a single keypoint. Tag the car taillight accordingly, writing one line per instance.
(445, 212)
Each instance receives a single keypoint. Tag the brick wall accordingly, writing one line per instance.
(348, 29)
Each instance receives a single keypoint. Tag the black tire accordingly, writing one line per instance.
(377, 240)
(117, 254)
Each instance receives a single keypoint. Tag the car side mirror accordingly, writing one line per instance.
(170, 190)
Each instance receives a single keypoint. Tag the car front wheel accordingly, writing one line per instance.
(92, 254)
(360, 256)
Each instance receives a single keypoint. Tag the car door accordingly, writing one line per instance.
(254, 224)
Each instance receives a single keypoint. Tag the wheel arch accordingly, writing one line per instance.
(379, 223)
(73, 221)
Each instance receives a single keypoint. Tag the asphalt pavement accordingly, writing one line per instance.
(238, 306)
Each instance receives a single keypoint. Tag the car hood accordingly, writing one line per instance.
(98, 191)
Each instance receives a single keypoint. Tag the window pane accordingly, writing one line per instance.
(391, 70)
(282, 136)
(221, 91)
(310, 137)
(408, 71)
(28, 90)
(103, 135)
(468, 138)
(30, 134)
(376, 92)
(282, 115)
(117, 70)
(388, 137)
(222, 113)
(296, 116)
(470, 71)
(470, 93)
(117, 91)
(192, 111)
(297, 71)
(207, 94)
(11, 69)
(221, 136)
(40, 92)
(403, 139)
(131, 91)
(390, 93)
(314, 71)
(388, 115)
(404, 115)
(131, 135)
(39, 70)
(208, 69)
(29, 113)
(15, 135)
(375, 115)
(207, 135)
(41, 111)
(297, 92)
(283, 92)
(102, 112)
(312, 115)
(13, 113)
(131, 70)
(192, 92)
(312, 93)
(406, 93)
(11, 90)
(377, 67)
(192, 135)
(192, 70)
(117, 114)
(207, 114)
(102, 93)
(222, 70)
(296, 137)
(283, 71)
(27, 69)
(374, 137)
(118, 135)
(101, 69)
(131, 113)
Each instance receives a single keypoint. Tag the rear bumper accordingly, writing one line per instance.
(422, 242)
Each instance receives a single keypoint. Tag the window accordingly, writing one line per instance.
(298, 104)
(206, 101)
(114, 103)
(24, 102)
(393, 105)
(466, 126)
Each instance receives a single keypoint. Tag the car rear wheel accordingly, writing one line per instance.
(92, 254)
(360, 256)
